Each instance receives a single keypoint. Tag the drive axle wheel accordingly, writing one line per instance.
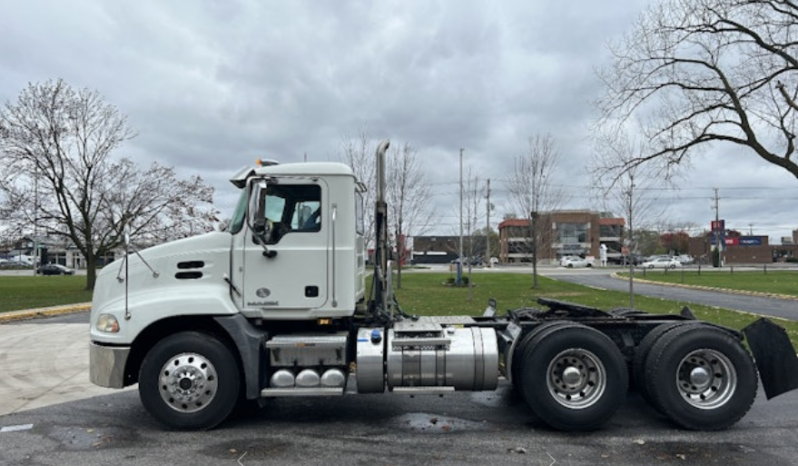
(701, 377)
(189, 380)
(518, 353)
(573, 377)
(644, 348)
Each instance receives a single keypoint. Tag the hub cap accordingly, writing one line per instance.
(706, 378)
(576, 378)
(188, 382)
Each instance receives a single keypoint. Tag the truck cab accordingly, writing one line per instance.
(297, 252)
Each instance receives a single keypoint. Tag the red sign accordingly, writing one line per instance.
(719, 225)
(732, 241)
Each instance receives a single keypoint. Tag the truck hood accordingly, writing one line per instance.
(186, 263)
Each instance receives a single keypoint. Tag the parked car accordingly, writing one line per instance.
(684, 259)
(637, 259)
(13, 264)
(661, 262)
(574, 261)
(55, 269)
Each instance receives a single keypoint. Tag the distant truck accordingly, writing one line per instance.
(278, 307)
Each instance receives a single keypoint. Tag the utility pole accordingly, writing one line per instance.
(534, 219)
(35, 217)
(717, 229)
(487, 227)
(630, 212)
(460, 258)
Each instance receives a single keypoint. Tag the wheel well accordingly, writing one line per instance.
(162, 329)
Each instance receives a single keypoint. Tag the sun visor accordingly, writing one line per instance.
(239, 180)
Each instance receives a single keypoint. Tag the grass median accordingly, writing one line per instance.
(18, 293)
(426, 294)
(783, 282)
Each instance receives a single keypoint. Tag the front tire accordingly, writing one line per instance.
(189, 381)
(701, 377)
(574, 377)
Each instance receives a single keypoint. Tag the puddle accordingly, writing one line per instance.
(436, 424)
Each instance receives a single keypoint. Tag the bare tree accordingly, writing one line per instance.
(473, 197)
(58, 176)
(634, 190)
(532, 188)
(702, 71)
(409, 198)
(358, 151)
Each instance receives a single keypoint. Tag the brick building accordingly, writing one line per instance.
(560, 233)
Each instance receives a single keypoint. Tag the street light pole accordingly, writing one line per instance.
(35, 216)
(534, 217)
(460, 258)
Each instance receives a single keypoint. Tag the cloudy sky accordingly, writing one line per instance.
(212, 85)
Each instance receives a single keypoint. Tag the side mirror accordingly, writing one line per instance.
(256, 216)
(262, 228)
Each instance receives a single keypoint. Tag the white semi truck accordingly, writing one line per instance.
(277, 306)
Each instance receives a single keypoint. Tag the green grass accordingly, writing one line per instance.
(778, 282)
(17, 293)
(425, 294)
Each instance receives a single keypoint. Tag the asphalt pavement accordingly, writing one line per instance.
(385, 429)
(760, 305)
(51, 415)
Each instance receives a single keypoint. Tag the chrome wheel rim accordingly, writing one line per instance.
(188, 382)
(576, 378)
(706, 379)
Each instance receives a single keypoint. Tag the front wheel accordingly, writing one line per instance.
(189, 381)
(574, 377)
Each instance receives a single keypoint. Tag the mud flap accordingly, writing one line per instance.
(775, 357)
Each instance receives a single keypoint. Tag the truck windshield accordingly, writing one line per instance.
(237, 222)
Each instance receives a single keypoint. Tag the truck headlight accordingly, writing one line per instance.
(107, 323)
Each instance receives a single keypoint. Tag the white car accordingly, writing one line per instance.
(574, 261)
(661, 262)
(684, 259)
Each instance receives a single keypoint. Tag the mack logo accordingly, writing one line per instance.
(263, 292)
(263, 303)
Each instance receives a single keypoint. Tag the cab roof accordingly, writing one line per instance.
(296, 169)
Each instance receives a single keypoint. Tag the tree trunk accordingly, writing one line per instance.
(91, 271)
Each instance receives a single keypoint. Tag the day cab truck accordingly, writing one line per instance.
(277, 306)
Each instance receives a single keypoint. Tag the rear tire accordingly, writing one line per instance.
(189, 381)
(518, 352)
(701, 377)
(573, 377)
(641, 353)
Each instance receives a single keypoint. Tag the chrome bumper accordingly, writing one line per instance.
(107, 365)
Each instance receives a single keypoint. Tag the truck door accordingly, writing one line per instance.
(292, 276)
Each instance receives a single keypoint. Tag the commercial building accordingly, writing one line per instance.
(560, 233)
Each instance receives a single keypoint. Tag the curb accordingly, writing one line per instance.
(28, 314)
(710, 288)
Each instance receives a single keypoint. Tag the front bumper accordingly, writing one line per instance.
(107, 365)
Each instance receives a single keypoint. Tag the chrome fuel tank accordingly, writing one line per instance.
(429, 354)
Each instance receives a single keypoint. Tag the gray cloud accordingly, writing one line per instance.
(212, 85)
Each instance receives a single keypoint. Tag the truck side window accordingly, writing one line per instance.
(293, 209)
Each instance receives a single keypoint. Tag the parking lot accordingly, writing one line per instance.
(53, 415)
